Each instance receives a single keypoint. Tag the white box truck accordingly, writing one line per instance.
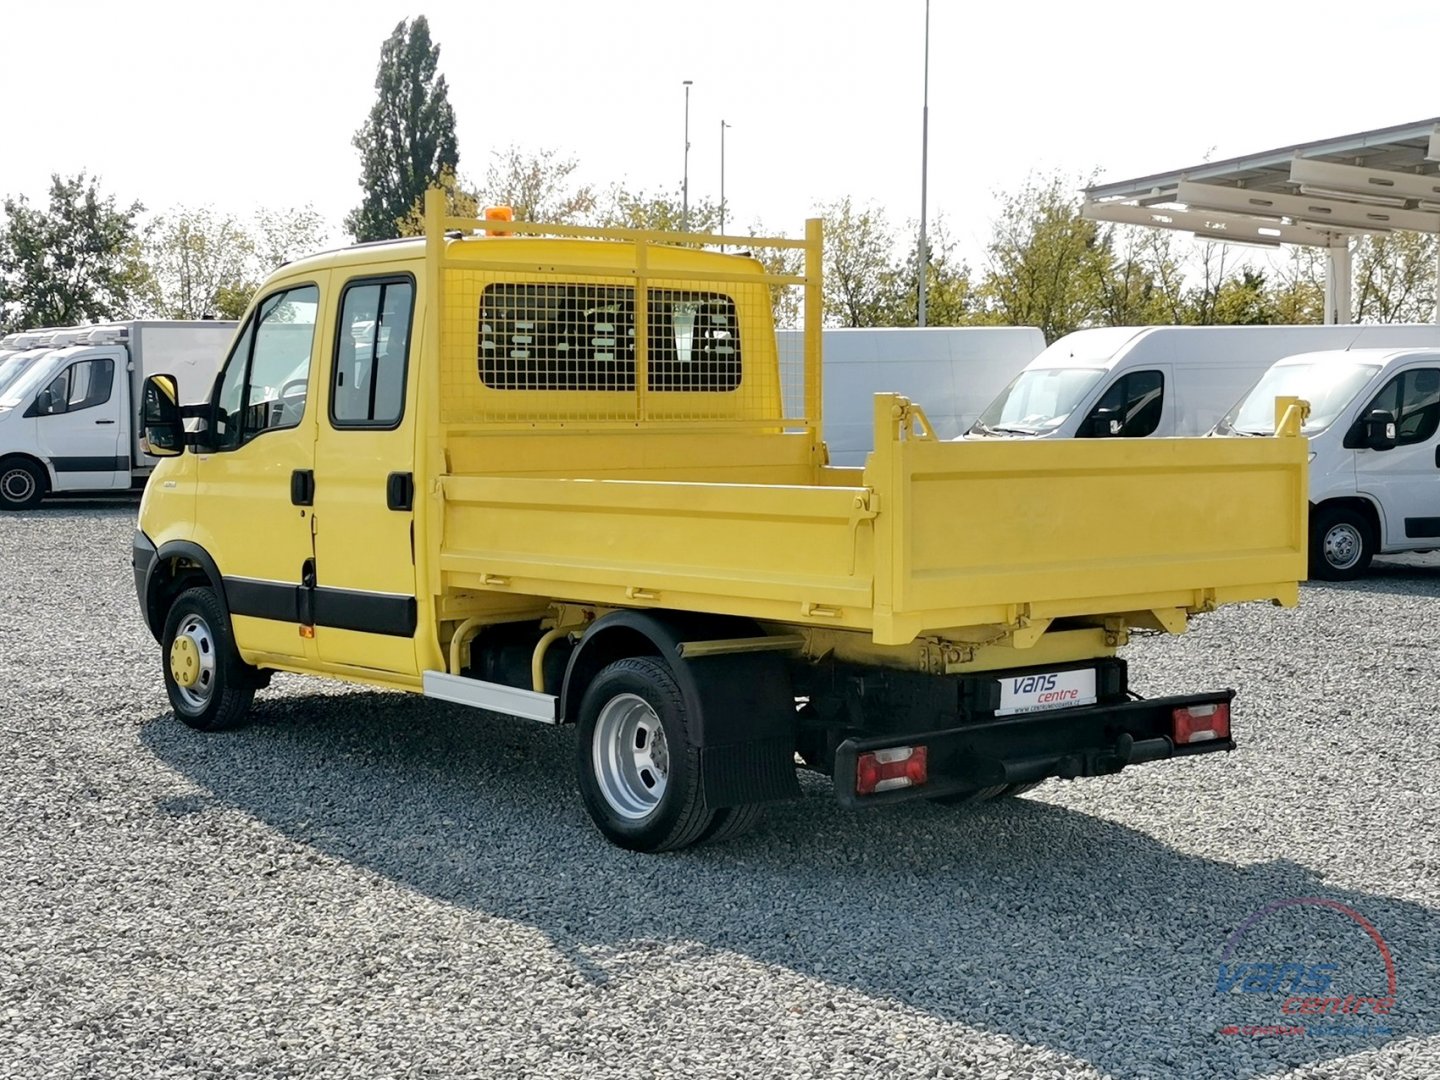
(1374, 430)
(1138, 381)
(68, 420)
(954, 370)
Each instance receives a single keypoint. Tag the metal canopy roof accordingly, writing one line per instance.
(1317, 194)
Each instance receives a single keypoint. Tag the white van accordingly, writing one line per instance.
(1137, 381)
(68, 420)
(1374, 430)
(950, 371)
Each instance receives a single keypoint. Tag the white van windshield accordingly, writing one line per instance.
(1327, 387)
(30, 378)
(1038, 400)
(10, 369)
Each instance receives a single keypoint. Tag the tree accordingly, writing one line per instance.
(202, 263)
(662, 212)
(194, 254)
(77, 261)
(1394, 278)
(536, 187)
(861, 278)
(1298, 290)
(408, 141)
(1047, 263)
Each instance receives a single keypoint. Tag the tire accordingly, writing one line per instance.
(637, 765)
(733, 821)
(199, 649)
(22, 484)
(1342, 544)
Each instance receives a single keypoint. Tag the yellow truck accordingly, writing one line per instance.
(564, 474)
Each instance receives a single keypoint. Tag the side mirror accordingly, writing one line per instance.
(160, 416)
(1380, 430)
(45, 402)
(1104, 424)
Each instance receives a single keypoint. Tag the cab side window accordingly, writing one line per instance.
(1413, 397)
(1130, 409)
(367, 384)
(265, 381)
(80, 386)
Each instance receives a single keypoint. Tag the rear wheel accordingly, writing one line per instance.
(1341, 544)
(22, 484)
(638, 766)
(210, 687)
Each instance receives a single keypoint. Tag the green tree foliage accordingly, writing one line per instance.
(1048, 265)
(193, 254)
(538, 187)
(76, 261)
(622, 208)
(861, 279)
(204, 263)
(1394, 278)
(409, 138)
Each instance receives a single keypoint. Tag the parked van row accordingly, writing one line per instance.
(69, 399)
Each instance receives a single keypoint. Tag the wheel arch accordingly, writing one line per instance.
(742, 705)
(1361, 504)
(30, 459)
(178, 565)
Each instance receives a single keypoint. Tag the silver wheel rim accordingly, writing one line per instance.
(631, 756)
(1343, 545)
(17, 484)
(197, 697)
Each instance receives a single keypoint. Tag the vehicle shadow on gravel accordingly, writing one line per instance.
(1024, 918)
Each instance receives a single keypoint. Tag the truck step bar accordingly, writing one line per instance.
(495, 697)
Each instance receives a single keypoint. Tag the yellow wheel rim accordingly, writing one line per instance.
(185, 662)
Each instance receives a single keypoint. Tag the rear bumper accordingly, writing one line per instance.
(1093, 741)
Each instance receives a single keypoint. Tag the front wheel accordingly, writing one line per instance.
(22, 484)
(1341, 544)
(638, 766)
(209, 685)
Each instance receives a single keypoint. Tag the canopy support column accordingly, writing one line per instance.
(1337, 283)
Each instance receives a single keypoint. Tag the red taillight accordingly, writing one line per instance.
(1201, 723)
(894, 767)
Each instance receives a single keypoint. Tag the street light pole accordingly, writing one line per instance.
(723, 126)
(685, 183)
(924, 252)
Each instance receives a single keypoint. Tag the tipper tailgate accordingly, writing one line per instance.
(1017, 531)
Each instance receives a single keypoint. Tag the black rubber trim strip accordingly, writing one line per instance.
(337, 609)
(91, 464)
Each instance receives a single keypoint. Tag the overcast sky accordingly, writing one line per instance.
(241, 105)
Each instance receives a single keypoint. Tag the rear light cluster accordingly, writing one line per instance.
(893, 767)
(1201, 723)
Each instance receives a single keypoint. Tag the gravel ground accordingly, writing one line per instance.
(366, 884)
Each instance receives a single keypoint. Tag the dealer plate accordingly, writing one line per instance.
(1048, 690)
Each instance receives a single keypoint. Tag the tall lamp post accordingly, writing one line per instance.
(685, 182)
(924, 252)
(723, 126)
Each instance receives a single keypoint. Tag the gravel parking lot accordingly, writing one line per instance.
(368, 884)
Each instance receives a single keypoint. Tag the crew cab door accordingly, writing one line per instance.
(1405, 481)
(255, 471)
(79, 423)
(365, 491)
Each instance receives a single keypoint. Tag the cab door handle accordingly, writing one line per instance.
(302, 487)
(104, 421)
(400, 491)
